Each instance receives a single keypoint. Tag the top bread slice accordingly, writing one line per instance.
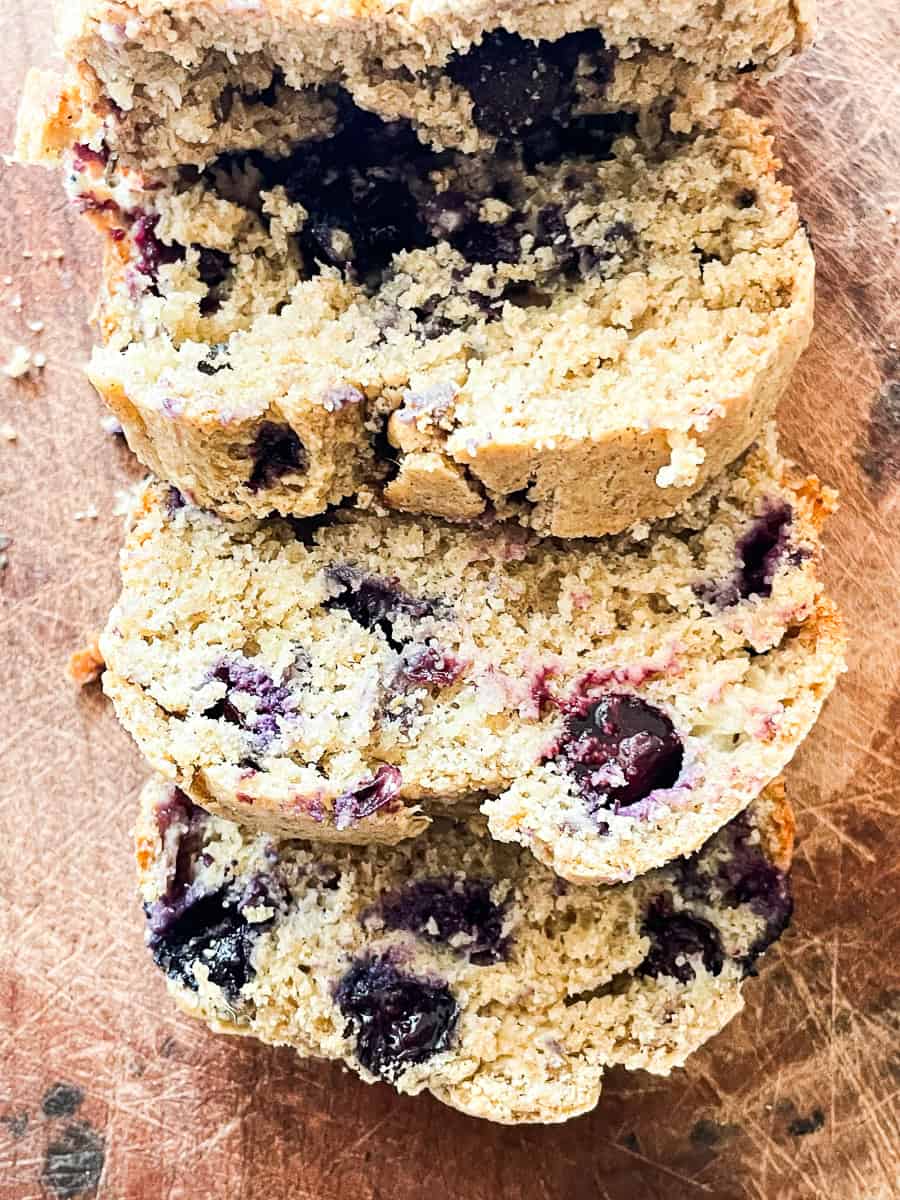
(177, 81)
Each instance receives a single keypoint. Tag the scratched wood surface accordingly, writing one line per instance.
(105, 1091)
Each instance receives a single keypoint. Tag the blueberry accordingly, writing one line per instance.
(482, 242)
(213, 266)
(747, 877)
(177, 809)
(375, 602)
(618, 240)
(760, 550)
(567, 50)
(619, 750)
(675, 938)
(152, 253)
(367, 797)
(305, 529)
(216, 360)
(361, 221)
(447, 212)
(82, 154)
(271, 700)
(397, 1020)
(353, 186)
(513, 84)
(262, 891)
(276, 451)
(445, 908)
(213, 269)
(175, 500)
(211, 931)
(520, 87)
(591, 136)
(188, 822)
(759, 553)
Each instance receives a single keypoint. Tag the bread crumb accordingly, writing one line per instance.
(19, 363)
(36, 326)
(5, 542)
(111, 425)
(124, 500)
(87, 514)
(8, 434)
(39, 360)
(86, 665)
(16, 303)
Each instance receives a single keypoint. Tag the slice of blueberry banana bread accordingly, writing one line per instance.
(169, 82)
(579, 340)
(454, 964)
(615, 701)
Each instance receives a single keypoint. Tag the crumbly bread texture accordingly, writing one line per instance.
(454, 964)
(612, 702)
(580, 342)
(168, 83)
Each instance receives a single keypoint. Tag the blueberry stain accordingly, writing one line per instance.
(62, 1100)
(455, 912)
(73, 1164)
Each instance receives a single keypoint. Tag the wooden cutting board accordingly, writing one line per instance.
(105, 1090)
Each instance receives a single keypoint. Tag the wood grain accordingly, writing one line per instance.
(797, 1099)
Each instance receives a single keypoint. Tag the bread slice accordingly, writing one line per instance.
(456, 965)
(579, 342)
(612, 702)
(169, 82)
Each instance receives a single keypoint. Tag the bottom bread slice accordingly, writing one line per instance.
(455, 964)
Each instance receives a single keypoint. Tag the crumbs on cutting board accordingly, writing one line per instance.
(86, 665)
(22, 360)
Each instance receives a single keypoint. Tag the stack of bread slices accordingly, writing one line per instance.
(470, 614)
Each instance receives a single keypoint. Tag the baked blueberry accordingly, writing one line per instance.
(367, 797)
(375, 602)
(675, 939)
(455, 912)
(212, 932)
(152, 253)
(619, 749)
(760, 550)
(398, 1020)
(513, 84)
(276, 451)
(269, 700)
